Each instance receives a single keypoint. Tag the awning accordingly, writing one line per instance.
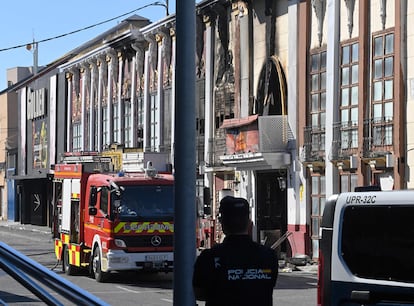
(236, 122)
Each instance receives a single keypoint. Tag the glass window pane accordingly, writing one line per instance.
(323, 60)
(355, 52)
(315, 119)
(354, 181)
(377, 111)
(315, 142)
(323, 80)
(354, 95)
(344, 183)
(315, 226)
(323, 119)
(344, 139)
(315, 103)
(354, 135)
(315, 185)
(344, 115)
(378, 46)
(322, 182)
(389, 43)
(388, 110)
(315, 206)
(354, 77)
(315, 62)
(315, 82)
(378, 69)
(345, 55)
(322, 145)
(323, 100)
(345, 96)
(388, 92)
(388, 135)
(389, 66)
(378, 91)
(345, 75)
(354, 115)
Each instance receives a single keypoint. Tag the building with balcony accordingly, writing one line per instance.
(296, 101)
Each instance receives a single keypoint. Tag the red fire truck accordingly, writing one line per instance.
(107, 221)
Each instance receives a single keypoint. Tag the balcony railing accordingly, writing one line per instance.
(345, 140)
(378, 137)
(314, 144)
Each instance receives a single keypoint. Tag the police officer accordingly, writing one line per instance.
(238, 271)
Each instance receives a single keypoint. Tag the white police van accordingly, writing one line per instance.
(367, 249)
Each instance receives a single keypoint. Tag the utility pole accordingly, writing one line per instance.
(185, 153)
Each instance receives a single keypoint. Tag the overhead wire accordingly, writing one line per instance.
(157, 3)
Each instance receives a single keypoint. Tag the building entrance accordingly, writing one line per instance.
(271, 207)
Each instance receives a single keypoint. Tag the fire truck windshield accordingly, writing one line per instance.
(143, 203)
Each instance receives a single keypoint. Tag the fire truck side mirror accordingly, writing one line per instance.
(93, 196)
(93, 211)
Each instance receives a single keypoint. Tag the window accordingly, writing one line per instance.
(382, 97)
(127, 124)
(154, 122)
(317, 107)
(378, 236)
(116, 122)
(348, 182)
(104, 200)
(105, 128)
(140, 123)
(318, 204)
(349, 96)
(77, 137)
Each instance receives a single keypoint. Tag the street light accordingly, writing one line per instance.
(165, 5)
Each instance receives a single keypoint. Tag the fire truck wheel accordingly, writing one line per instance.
(96, 266)
(66, 266)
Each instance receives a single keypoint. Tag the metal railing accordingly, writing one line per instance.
(32, 275)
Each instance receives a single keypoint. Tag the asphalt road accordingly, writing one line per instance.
(295, 288)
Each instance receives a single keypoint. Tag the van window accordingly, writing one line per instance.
(377, 242)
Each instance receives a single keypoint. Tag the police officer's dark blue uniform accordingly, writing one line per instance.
(238, 271)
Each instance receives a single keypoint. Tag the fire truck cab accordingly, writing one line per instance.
(106, 221)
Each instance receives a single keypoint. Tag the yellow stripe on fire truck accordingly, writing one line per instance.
(74, 255)
(144, 227)
(58, 248)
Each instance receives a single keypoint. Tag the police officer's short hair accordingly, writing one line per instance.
(234, 213)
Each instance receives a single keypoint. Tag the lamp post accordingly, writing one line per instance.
(164, 4)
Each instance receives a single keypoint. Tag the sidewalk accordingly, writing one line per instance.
(25, 227)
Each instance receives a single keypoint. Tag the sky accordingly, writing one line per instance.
(25, 21)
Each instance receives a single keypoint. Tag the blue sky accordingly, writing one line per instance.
(21, 22)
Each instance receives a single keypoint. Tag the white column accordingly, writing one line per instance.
(94, 83)
(52, 119)
(69, 113)
(119, 114)
(133, 124)
(83, 109)
(102, 67)
(22, 134)
(296, 212)
(150, 54)
(332, 96)
(245, 63)
(159, 137)
(111, 77)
